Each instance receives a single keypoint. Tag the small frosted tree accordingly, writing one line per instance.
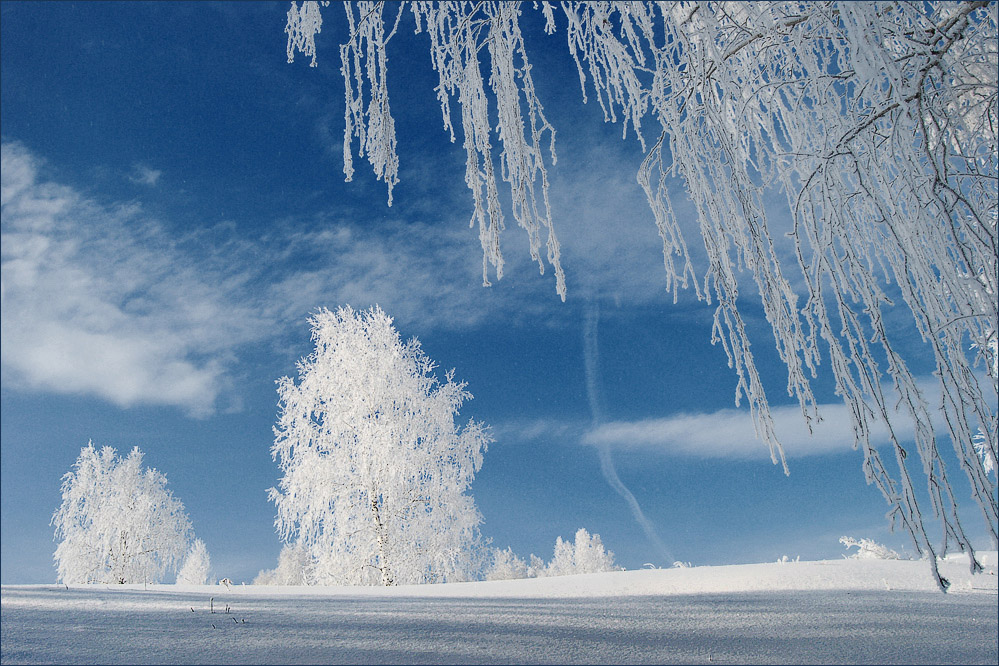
(376, 472)
(294, 568)
(118, 522)
(562, 563)
(506, 565)
(196, 565)
(585, 555)
(537, 567)
(875, 122)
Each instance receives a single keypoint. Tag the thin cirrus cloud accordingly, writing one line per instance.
(423, 275)
(729, 433)
(99, 301)
(144, 175)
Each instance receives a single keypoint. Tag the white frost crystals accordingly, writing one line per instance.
(118, 521)
(197, 565)
(868, 549)
(875, 124)
(585, 555)
(375, 469)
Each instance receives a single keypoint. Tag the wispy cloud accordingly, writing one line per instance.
(421, 274)
(143, 175)
(548, 430)
(101, 301)
(729, 433)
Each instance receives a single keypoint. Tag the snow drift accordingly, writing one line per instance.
(841, 611)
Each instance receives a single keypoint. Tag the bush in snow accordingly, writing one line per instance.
(585, 555)
(537, 568)
(563, 560)
(376, 472)
(294, 568)
(264, 577)
(506, 566)
(196, 565)
(118, 521)
(868, 549)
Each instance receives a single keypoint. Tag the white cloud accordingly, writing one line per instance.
(100, 301)
(538, 430)
(729, 433)
(143, 175)
(426, 276)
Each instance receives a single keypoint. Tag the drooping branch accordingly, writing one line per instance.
(876, 121)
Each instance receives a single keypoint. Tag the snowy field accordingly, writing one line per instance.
(836, 611)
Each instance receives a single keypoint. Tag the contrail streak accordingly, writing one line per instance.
(590, 358)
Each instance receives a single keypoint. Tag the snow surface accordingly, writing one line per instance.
(835, 611)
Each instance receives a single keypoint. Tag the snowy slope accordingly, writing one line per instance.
(838, 611)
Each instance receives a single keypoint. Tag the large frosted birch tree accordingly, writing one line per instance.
(376, 472)
(877, 124)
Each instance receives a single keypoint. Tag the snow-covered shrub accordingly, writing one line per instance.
(376, 472)
(293, 568)
(590, 556)
(506, 565)
(264, 577)
(585, 555)
(867, 549)
(118, 521)
(196, 565)
(563, 560)
(537, 568)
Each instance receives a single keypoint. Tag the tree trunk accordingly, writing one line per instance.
(382, 536)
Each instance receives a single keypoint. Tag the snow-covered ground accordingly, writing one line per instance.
(836, 611)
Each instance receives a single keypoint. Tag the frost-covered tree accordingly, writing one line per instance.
(537, 567)
(376, 472)
(196, 565)
(584, 555)
(876, 122)
(562, 563)
(506, 565)
(294, 568)
(118, 522)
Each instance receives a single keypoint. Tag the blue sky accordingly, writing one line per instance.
(174, 208)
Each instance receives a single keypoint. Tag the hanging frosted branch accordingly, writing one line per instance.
(364, 61)
(454, 46)
(304, 23)
(614, 62)
(878, 124)
(458, 32)
(827, 102)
